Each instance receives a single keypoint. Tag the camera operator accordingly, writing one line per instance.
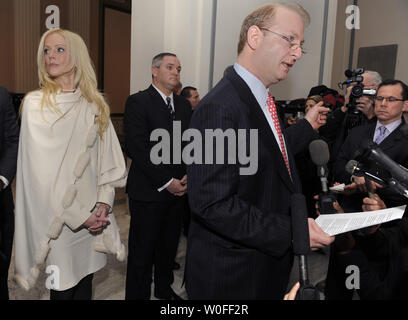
(365, 104)
(358, 111)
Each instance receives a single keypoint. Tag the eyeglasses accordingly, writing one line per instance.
(389, 99)
(289, 39)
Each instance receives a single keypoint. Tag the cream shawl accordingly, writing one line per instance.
(63, 169)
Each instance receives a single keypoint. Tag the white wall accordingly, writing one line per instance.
(184, 27)
(384, 23)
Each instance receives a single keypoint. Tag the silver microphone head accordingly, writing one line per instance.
(351, 166)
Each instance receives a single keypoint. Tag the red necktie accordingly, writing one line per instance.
(274, 114)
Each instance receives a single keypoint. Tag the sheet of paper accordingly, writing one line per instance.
(339, 187)
(334, 224)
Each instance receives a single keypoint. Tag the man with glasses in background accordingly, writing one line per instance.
(389, 132)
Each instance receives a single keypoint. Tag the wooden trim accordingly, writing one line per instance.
(121, 5)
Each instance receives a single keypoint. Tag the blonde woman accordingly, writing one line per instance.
(69, 163)
(312, 101)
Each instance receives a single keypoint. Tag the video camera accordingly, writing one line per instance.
(357, 91)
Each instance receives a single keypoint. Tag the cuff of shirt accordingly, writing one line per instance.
(165, 186)
(6, 182)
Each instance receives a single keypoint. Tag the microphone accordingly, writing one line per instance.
(374, 153)
(399, 174)
(319, 152)
(301, 246)
(356, 169)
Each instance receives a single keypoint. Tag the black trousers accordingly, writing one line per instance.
(82, 291)
(6, 238)
(153, 240)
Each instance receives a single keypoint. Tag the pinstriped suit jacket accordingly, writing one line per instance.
(239, 244)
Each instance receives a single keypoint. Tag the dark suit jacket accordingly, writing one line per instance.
(239, 243)
(8, 163)
(145, 112)
(395, 146)
(8, 137)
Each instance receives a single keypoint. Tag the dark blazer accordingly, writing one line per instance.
(145, 112)
(8, 137)
(8, 162)
(395, 146)
(239, 243)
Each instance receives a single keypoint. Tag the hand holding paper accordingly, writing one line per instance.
(334, 224)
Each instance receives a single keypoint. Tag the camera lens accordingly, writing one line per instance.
(357, 91)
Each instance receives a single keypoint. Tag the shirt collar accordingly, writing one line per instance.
(391, 126)
(163, 95)
(255, 85)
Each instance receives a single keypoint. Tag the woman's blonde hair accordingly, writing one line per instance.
(315, 98)
(85, 77)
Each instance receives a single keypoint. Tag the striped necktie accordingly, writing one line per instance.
(381, 136)
(168, 99)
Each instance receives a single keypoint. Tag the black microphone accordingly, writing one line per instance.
(357, 169)
(373, 152)
(319, 152)
(398, 180)
(301, 246)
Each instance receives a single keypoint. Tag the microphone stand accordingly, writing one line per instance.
(306, 291)
(301, 247)
(326, 198)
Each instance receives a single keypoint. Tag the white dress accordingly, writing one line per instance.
(63, 169)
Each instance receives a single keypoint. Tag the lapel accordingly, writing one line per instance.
(258, 121)
(177, 110)
(158, 102)
(393, 138)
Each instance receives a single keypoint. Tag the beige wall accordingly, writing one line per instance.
(179, 26)
(341, 45)
(381, 23)
(187, 32)
(384, 23)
